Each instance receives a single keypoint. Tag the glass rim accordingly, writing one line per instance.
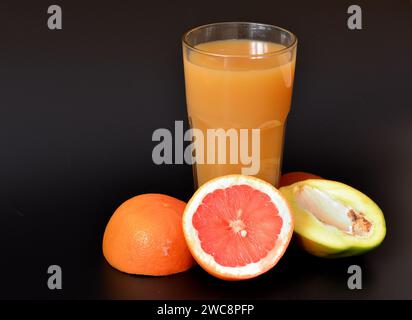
(221, 55)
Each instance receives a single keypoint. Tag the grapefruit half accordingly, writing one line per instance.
(237, 227)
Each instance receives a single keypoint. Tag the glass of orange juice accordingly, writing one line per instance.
(238, 77)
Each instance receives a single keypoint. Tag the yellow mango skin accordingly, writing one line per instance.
(327, 241)
(322, 251)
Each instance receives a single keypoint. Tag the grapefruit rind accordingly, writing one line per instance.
(250, 270)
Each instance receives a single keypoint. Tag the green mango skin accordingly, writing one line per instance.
(312, 235)
(322, 251)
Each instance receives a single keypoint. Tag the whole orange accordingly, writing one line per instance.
(145, 236)
(297, 176)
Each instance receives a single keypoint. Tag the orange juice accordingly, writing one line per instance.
(244, 84)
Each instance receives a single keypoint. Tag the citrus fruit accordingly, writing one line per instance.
(237, 227)
(144, 236)
(296, 176)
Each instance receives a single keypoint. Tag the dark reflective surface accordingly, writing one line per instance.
(78, 108)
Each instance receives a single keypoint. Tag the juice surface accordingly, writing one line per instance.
(240, 91)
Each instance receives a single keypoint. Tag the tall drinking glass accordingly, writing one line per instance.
(239, 79)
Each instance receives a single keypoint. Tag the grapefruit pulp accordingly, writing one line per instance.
(237, 227)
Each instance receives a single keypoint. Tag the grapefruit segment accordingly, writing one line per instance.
(237, 227)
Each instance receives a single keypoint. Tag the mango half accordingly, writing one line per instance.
(334, 220)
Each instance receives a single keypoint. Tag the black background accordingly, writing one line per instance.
(78, 107)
